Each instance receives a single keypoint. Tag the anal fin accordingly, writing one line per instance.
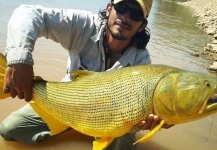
(54, 125)
(102, 143)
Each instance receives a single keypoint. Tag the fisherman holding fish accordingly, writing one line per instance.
(116, 38)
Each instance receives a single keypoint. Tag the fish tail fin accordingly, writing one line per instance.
(3, 66)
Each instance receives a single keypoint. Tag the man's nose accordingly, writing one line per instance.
(126, 16)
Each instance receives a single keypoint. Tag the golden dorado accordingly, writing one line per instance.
(109, 104)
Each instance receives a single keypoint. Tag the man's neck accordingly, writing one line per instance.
(114, 45)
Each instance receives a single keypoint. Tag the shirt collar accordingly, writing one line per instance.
(99, 33)
(128, 56)
(127, 59)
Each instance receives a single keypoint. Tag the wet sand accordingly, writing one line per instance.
(197, 135)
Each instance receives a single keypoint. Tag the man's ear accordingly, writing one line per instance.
(143, 26)
(108, 9)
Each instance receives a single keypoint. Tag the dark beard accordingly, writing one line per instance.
(117, 36)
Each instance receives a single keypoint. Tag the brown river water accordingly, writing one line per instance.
(174, 38)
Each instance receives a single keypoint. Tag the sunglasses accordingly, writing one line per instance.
(123, 8)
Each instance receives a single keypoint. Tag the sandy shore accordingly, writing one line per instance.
(206, 13)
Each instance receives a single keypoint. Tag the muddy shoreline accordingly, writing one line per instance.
(206, 14)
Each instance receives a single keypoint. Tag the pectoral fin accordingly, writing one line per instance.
(54, 125)
(148, 136)
(102, 143)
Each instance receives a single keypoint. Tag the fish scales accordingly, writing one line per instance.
(100, 102)
(110, 104)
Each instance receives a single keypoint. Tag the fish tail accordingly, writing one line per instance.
(3, 65)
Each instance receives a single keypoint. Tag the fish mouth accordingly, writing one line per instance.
(212, 100)
(211, 105)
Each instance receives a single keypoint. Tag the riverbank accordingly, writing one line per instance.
(206, 14)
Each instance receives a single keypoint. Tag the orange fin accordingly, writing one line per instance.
(102, 143)
(38, 78)
(149, 135)
(81, 74)
(54, 125)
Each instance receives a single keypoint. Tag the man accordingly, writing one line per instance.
(115, 39)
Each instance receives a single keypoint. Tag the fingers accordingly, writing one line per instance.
(6, 89)
(13, 92)
(151, 122)
(20, 95)
(167, 126)
(18, 81)
(155, 121)
(28, 94)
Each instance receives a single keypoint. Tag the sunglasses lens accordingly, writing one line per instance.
(136, 15)
(122, 8)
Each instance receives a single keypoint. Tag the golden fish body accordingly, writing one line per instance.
(102, 104)
(109, 104)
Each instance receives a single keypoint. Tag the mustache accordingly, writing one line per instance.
(124, 23)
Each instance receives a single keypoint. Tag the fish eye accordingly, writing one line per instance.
(207, 83)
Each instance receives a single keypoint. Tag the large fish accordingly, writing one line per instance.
(109, 104)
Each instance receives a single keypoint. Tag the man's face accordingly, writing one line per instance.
(121, 25)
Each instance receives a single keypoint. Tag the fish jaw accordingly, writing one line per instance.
(211, 105)
(185, 96)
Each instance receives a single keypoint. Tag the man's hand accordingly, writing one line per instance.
(18, 81)
(149, 124)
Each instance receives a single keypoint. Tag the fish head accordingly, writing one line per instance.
(185, 96)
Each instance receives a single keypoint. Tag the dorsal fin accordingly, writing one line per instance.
(80, 74)
(38, 78)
